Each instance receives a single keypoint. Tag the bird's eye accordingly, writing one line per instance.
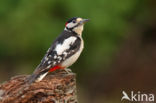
(74, 21)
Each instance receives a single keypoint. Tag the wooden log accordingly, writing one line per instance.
(55, 88)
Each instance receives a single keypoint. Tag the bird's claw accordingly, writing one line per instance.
(67, 70)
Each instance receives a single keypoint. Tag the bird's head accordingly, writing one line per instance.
(75, 24)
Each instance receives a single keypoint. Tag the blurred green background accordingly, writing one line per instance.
(120, 43)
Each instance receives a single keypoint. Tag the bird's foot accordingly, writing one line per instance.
(68, 71)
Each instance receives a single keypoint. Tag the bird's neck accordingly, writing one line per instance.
(78, 30)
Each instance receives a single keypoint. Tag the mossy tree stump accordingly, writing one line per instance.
(55, 88)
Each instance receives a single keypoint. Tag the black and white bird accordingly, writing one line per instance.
(64, 51)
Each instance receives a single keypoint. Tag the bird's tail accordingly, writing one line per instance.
(36, 77)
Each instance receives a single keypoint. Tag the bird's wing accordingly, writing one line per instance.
(58, 52)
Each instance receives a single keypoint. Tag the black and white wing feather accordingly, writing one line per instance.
(63, 47)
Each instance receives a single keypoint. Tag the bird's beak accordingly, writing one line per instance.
(83, 21)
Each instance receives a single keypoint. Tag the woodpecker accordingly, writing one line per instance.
(64, 51)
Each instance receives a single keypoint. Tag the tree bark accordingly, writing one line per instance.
(56, 88)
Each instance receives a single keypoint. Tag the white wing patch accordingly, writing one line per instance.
(60, 48)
